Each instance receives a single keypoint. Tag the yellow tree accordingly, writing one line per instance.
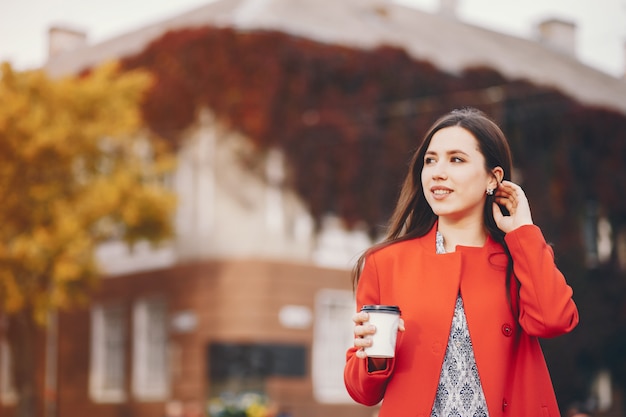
(76, 169)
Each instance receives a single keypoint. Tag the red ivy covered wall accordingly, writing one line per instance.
(348, 118)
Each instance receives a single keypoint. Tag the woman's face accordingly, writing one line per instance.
(454, 178)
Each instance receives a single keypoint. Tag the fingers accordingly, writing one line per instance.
(509, 195)
(360, 317)
(361, 354)
(362, 331)
(362, 339)
(512, 197)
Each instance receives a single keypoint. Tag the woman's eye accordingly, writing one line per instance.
(429, 160)
(457, 159)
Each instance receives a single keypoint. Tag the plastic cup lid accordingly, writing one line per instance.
(381, 308)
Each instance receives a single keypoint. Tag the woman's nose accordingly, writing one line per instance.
(439, 170)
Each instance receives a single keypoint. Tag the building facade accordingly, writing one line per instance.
(250, 298)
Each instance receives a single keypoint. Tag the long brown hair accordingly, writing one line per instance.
(413, 216)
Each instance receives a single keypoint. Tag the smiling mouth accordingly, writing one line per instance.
(441, 192)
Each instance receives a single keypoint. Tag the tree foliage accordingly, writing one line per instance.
(76, 169)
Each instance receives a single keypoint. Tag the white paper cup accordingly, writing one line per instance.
(385, 318)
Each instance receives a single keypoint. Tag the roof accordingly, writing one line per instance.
(448, 43)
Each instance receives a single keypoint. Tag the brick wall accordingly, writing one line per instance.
(233, 302)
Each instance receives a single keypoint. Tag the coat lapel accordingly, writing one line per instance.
(426, 291)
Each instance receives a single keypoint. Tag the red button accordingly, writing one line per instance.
(505, 404)
(507, 330)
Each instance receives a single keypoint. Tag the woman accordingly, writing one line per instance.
(474, 279)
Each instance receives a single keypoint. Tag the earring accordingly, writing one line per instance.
(490, 191)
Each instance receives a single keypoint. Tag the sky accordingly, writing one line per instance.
(601, 24)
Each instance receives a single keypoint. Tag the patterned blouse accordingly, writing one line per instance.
(459, 393)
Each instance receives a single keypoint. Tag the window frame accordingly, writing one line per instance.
(148, 351)
(104, 335)
(333, 335)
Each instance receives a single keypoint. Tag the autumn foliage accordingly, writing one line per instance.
(348, 118)
(72, 176)
(76, 169)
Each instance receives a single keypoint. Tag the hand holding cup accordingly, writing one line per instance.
(375, 331)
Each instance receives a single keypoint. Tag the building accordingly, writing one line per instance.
(249, 296)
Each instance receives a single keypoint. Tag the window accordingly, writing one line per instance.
(605, 240)
(7, 388)
(256, 361)
(333, 335)
(602, 391)
(150, 364)
(236, 369)
(108, 340)
(598, 236)
(274, 205)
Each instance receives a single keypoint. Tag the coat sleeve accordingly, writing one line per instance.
(366, 387)
(546, 308)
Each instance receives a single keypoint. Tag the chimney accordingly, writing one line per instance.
(559, 35)
(447, 8)
(61, 40)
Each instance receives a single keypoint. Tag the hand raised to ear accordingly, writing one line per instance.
(511, 196)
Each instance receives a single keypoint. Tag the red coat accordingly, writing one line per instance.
(425, 285)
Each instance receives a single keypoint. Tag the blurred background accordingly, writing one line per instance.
(179, 226)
